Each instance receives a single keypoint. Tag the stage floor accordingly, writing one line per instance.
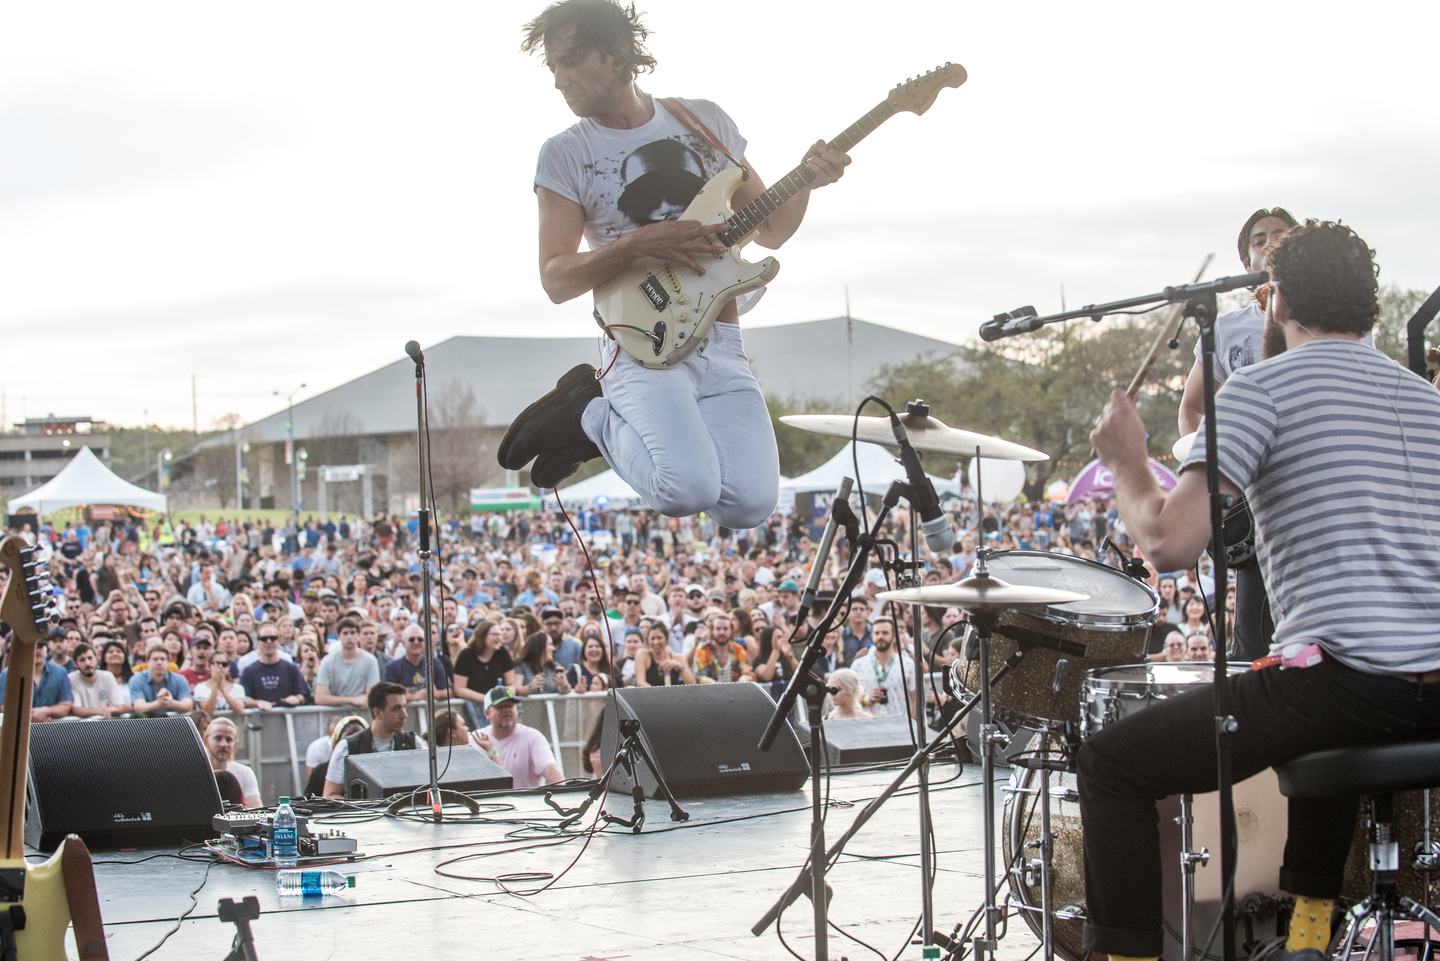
(689, 892)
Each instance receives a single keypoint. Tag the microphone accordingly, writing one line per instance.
(933, 522)
(822, 554)
(416, 354)
(1021, 320)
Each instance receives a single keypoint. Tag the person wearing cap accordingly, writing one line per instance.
(787, 601)
(522, 751)
(567, 647)
(718, 597)
(875, 583)
(386, 732)
(470, 593)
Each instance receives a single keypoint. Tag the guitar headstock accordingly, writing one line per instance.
(28, 606)
(918, 93)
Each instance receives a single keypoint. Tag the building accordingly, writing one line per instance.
(39, 448)
(477, 386)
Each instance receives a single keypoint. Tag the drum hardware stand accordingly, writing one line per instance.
(1199, 300)
(1427, 865)
(802, 884)
(1188, 860)
(1385, 905)
(630, 747)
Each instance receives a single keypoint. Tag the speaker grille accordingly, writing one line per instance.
(703, 739)
(119, 782)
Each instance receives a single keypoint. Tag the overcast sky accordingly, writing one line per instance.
(270, 193)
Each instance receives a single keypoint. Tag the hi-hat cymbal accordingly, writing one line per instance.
(926, 434)
(982, 594)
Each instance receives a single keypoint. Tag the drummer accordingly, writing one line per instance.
(1369, 630)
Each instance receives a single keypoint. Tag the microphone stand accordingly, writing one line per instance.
(806, 683)
(435, 797)
(1199, 302)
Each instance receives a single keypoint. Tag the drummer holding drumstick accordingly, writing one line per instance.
(1326, 436)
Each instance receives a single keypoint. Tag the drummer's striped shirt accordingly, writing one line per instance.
(1337, 448)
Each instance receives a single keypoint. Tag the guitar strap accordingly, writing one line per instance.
(683, 114)
(84, 902)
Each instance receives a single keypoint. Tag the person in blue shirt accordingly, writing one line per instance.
(409, 671)
(534, 591)
(470, 593)
(52, 697)
(159, 690)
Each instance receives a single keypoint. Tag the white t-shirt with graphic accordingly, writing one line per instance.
(1238, 337)
(626, 179)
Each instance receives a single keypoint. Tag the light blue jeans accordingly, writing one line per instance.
(693, 438)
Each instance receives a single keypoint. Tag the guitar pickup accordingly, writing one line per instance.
(654, 292)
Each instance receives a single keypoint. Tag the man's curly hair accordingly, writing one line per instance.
(1327, 276)
(602, 25)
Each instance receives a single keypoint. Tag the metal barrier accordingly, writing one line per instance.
(273, 743)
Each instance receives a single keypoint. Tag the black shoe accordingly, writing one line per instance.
(552, 423)
(553, 466)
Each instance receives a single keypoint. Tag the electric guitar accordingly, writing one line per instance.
(36, 901)
(658, 312)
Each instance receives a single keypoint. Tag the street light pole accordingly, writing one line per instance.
(146, 415)
(241, 447)
(161, 457)
(290, 453)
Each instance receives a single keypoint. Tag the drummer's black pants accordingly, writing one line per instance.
(1169, 748)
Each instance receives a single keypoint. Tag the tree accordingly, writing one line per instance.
(800, 450)
(1397, 306)
(456, 435)
(1045, 390)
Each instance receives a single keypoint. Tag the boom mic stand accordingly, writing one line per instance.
(1199, 303)
(806, 683)
(436, 798)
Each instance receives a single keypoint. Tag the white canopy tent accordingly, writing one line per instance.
(608, 485)
(84, 481)
(878, 467)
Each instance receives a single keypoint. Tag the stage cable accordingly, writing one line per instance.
(194, 903)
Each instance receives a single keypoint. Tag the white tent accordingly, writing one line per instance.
(608, 485)
(619, 494)
(878, 467)
(86, 481)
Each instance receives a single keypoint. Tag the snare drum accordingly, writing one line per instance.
(1110, 628)
(1109, 693)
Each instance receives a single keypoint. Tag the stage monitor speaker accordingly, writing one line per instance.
(702, 739)
(864, 740)
(119, 783)
(378, 776)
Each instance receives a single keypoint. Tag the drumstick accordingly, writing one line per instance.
(1166, 334)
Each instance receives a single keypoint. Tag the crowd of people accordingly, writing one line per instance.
(217, 617)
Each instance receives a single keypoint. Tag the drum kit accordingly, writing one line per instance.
(1030, 614)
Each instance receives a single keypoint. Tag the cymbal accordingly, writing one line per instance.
(982, 594)
(928, 434)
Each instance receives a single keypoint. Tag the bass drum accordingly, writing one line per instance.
(1111, 628)
(1260, 814)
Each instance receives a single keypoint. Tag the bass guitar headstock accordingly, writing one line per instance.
(28, 605)
(918, 93)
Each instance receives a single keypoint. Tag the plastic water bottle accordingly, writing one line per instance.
(312, 884)
(284, 836)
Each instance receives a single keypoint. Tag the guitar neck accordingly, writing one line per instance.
(753, 214)
(15, 748)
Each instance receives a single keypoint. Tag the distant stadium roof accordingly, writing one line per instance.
(790, 360)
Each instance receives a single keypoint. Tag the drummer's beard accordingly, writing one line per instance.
(1272, 341)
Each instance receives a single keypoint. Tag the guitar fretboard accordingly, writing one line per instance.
(753, 214)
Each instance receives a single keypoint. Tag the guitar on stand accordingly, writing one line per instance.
(658, 312)
(37, 902)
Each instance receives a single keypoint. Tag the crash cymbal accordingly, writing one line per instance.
(929, 434)
(982, 594)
